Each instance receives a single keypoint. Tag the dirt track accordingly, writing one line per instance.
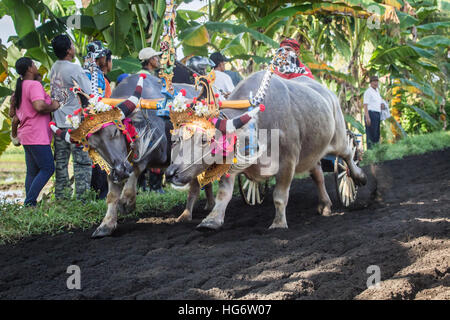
(404, 230)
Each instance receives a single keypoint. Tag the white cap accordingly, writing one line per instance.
(148, 53)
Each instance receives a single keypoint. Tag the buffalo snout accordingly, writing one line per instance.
(170, 173)
(121, 172)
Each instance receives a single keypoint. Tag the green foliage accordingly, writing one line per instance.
(414, 51)
(412, 145)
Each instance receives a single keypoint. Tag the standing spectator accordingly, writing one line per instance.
(32, 107)
(292, 45)
(235, 76)
(121, 77)
(223, 84)
(181, 74)
(62, 75)
(149, 61)
(150, 65)
(106, 68)
(95, 61)
(99, 180)
(373, 105)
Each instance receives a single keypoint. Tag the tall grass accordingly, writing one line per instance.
(52, 216)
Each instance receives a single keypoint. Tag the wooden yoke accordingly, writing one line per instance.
(151, 103)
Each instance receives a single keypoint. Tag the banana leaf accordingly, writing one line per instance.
(355, 123)
(257, 59)
(433, 26)
(4, 92)
(434, 41)
(188, 15)
(235, 29)
(5, 139)
(402, 53)
(127, 65)
(285, 12)
(22, 15)
(195, 36)
(427, 118)
(391, 120)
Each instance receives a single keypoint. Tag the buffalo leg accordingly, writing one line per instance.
(109, 223)
(210, 202)
(343, 150)
(281, 195)
(127, 201)
(215, 219)
(324, 207)
(194, 191)
(355, 172)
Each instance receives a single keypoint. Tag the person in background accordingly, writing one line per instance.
(62, 75)
(373, 105)
(150, 65)
(199, 64)
(223, 84)
(14, 119)
(95, 60)
(181, 74)
(292, 45)
(150, 61)
(121, 77)
(235, 76)
(32, 107)
(99, 180)
(106, 68)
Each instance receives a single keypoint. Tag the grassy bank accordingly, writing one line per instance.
(412, 145)
(52, 216)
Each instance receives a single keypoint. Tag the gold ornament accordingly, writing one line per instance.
(93, 122)
(214, 172)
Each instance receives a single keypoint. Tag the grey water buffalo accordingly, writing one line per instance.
(151, 149)
(310, 125)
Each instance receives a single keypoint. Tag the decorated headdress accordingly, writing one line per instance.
(291, 43)
(95, 115)
(204, 109)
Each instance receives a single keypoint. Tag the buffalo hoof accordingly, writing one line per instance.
(324, 210)
(102, 231)
(359, 178)
(278, 226)
(186, 216)
(209, 225)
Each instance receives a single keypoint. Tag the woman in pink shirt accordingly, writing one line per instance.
(33, 107)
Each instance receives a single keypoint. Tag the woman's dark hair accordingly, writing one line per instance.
(61, 44)
(22, 66)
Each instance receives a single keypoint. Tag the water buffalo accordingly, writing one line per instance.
(310, 125)
(150, 150)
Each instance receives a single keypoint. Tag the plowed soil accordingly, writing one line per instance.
(400, 223)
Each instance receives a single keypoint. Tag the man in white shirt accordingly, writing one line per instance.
(373, 104)
(223, 84)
